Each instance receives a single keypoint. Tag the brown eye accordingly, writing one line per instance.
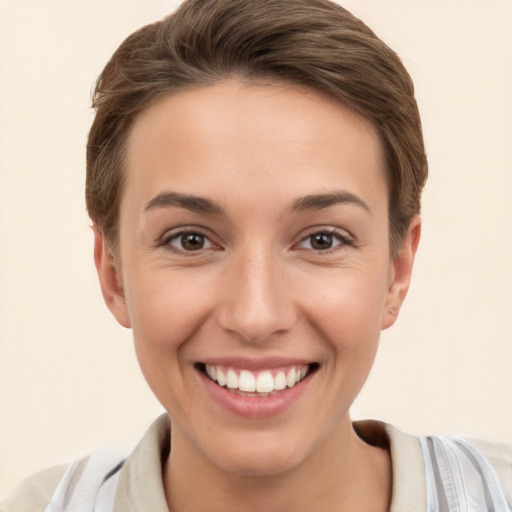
(324, 241)
(190, 242)
(321, 241)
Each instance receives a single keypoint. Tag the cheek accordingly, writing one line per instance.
(164, 303)
(348, 317)
(166, 309)
(347, 308)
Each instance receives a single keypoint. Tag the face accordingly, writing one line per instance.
(254, 269)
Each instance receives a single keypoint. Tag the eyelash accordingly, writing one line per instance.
(167, 240)
(342, 238)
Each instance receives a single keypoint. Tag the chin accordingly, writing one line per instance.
(259, 463)
(259, 454)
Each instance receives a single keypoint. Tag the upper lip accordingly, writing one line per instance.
(252, 364)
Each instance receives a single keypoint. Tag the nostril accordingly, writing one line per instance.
(257, 309)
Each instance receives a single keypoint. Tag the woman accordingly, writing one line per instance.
(254, 173)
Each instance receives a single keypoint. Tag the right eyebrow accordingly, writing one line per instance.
(198, 204)
(320, 201)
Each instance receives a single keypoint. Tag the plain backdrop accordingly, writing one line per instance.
(69, 381)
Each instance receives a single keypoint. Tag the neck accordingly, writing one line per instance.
(345, 474)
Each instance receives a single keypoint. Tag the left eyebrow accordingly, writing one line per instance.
(198, 204)
(320, 201)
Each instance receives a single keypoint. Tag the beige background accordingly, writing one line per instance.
(69, 381)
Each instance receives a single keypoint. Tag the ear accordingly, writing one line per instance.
(110, 282)
(400, 273)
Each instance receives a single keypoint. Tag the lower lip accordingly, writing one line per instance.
(257, 407)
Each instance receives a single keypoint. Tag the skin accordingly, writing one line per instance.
(259, 287)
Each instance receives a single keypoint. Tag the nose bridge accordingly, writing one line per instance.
(256, 302)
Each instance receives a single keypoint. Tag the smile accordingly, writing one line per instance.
(262, 383)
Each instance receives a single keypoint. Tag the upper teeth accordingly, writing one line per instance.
(263, 382)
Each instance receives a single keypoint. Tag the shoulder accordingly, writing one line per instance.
(499, 454)
(80, 485)
(34, 493)
(410, 463)
(138, 478)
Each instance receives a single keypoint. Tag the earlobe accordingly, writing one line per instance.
(111, 286)
(401, 269)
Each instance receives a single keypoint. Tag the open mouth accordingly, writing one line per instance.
(261, 383)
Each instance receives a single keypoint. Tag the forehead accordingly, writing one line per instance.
(252, 135)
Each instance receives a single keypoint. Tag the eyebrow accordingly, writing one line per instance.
(193, 203)
(320, 201)
(201, 204)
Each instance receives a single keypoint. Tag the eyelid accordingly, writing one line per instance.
(173, 234)
(343, 236)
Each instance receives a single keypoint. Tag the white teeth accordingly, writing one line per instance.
(280, 381)
(262, 383)
(232, 379)
(221, 377)
(265, 383)
(290, 378)
(246, 382)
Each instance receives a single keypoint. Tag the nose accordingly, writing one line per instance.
(256, 301)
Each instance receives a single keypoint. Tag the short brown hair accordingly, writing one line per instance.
(312, 43)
